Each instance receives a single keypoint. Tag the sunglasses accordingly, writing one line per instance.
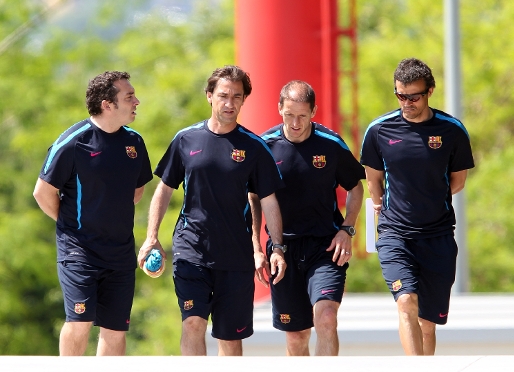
(411, 97)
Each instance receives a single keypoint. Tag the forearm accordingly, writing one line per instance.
(158, 207)
(457, 181)
(138, 194)
(47, 198)
(353, 204)
(273, 217)
(375, 181)
(255, 208)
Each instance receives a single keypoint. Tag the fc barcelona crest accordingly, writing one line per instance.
(285, 318)
(188, 305)
(434, 142)
(319, 161)
(131, 151)
(80, 308)
(238, 155)
(397, 285)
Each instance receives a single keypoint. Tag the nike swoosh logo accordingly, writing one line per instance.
(325, 291)
(194, 152)
(279, 162)
(96, 153)
(240, 330)
(443, 315)
(392, 142)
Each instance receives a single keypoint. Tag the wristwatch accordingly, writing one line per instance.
(350, 230)
(283, 248)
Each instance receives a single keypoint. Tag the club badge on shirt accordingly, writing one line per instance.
(435, 142)
(131, 151)
(238, 155)
(319, 161)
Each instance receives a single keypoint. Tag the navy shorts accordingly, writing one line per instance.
(227, 296)
(98, 295)
(423, 266)
(310, 276)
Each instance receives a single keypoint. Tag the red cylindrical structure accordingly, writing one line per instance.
(282, 40)
(278, 41)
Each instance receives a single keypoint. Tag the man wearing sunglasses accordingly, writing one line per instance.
(416, 158)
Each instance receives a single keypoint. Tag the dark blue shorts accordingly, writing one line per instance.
(310, 276)
(94, 294)
(227, 296)
(423, 266)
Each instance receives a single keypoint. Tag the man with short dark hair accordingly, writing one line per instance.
(218, 161)
(92, 177)
(416, 158)
(314, 162)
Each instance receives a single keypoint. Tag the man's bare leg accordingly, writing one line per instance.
(192, 341)
(111, 343)
(429, 338)
(74, 338)
(410, 332)
(325, 323)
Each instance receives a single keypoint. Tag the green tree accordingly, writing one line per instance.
(44, 78)
(392, 30)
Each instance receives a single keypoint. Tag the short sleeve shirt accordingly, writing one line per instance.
(217, 171)
(417, 160)
(312, 171)
(97, 173)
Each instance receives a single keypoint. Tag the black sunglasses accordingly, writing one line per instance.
(411, 97)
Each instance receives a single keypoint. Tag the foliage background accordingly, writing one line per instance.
(46, 61)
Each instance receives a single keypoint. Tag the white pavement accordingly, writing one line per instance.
(479, 363)
(368, 326)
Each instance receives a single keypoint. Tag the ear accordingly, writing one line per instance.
(314, 111)
(106, 105)
(209, 98)
(279, 109)
(430, 91)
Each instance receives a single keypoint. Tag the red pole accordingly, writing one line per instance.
(282, 40)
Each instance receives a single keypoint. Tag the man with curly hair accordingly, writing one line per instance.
(92, 177)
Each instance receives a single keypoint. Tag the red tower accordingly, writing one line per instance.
(282, 40)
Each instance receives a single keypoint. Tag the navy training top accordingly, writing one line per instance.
(97, 174)
(417, 159)
(214, 227)
(312, 170)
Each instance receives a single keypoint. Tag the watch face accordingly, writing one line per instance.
(349, 229)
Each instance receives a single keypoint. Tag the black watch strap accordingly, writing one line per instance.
(350, 230)
(282, 247)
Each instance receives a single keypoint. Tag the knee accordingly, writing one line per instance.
(427, 327)
(325, 318)
(111, 336)
(298, 338)
(408, 304)
(194, 324)
(79, 329)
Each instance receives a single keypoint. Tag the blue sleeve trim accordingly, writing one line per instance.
(452, 120)
(331, 137)
(57, 146)
(261, 140)
(378, 121)
(79, 203)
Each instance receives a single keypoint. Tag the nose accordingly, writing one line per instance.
(230, 103)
